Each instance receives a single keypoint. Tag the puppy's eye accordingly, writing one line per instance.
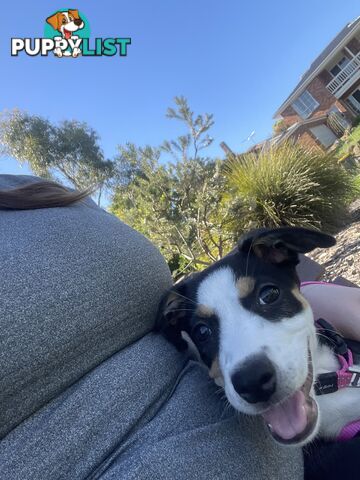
(268, 294)
(201, 333)
(64, 20)
(71, 18)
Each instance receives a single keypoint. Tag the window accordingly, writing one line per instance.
(305, 104)
(339, 66)
(354, 100)
(356, 95)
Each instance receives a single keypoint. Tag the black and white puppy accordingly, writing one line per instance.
(255, 332)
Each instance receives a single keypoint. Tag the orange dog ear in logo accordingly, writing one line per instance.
(74, 13)
(55, 20)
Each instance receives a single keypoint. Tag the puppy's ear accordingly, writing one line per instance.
(74, 13)
(171, 317)
(54, 20)
(283, 244)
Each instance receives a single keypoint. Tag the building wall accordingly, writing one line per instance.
(317, 88)
(354, 46)
(325, 76)
(353, 87)
(290, 116)
(307, 140)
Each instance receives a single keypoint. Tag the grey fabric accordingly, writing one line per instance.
(85, 390)
(139, 415)
(76, 286)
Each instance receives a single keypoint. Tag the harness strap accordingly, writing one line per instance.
(348, 374)
(350, 431)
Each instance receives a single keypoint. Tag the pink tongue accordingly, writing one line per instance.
(289, 418)
(67, 34)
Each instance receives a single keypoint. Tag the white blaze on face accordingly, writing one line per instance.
(70, 26)
(244, 334)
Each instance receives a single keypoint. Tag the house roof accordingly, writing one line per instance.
(308, 75)
(281, 137)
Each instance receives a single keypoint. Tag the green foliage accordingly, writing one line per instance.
(279, 126)
(192, 207)
(179, 204)
(198, 127)
(348, 142)
(287, 185)
(356, 122)
(356, 183)
(69, 150)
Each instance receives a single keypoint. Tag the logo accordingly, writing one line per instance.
(67, 34)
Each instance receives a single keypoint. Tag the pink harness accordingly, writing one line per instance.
(347, 376)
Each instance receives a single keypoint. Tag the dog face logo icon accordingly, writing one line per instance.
(66, 22)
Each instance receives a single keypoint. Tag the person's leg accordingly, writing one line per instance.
(141, 416)
(77, 285)
(332, 460)
(337, 304)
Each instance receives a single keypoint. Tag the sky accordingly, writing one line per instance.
(238, 60)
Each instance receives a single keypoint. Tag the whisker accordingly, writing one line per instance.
(186, 298)
(326, 338)
(183, 310)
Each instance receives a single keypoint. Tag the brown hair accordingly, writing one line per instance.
(43, 194)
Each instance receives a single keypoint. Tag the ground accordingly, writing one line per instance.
(344, 258)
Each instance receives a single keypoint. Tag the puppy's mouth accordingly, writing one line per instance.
(67, 34)
(293, 420)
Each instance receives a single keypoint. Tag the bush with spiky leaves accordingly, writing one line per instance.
(288, 185)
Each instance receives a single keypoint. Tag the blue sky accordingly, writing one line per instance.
(237, 60)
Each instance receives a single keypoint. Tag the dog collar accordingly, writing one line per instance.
(348, 374)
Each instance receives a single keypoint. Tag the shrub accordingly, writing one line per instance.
(279, 127)
(349, 141)
(287, 185)
(356, 181)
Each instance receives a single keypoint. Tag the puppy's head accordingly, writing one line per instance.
(66, 22)
(253, 329)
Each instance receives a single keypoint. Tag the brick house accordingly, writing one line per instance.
(327, 98)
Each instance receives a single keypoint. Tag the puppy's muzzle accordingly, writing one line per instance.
(255, 379)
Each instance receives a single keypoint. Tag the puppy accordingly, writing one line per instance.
(249, 324)
(66, 23)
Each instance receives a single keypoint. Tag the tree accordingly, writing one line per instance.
(177, 204)
(69, 151)
(197, 138)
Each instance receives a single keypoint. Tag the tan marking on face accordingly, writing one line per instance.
(204, 311)
(297, 294)
(215, 371)
(245, 285)
(63, 20)
(74, 13)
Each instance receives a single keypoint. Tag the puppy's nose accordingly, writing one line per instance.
(255, 380)
(78, 22)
